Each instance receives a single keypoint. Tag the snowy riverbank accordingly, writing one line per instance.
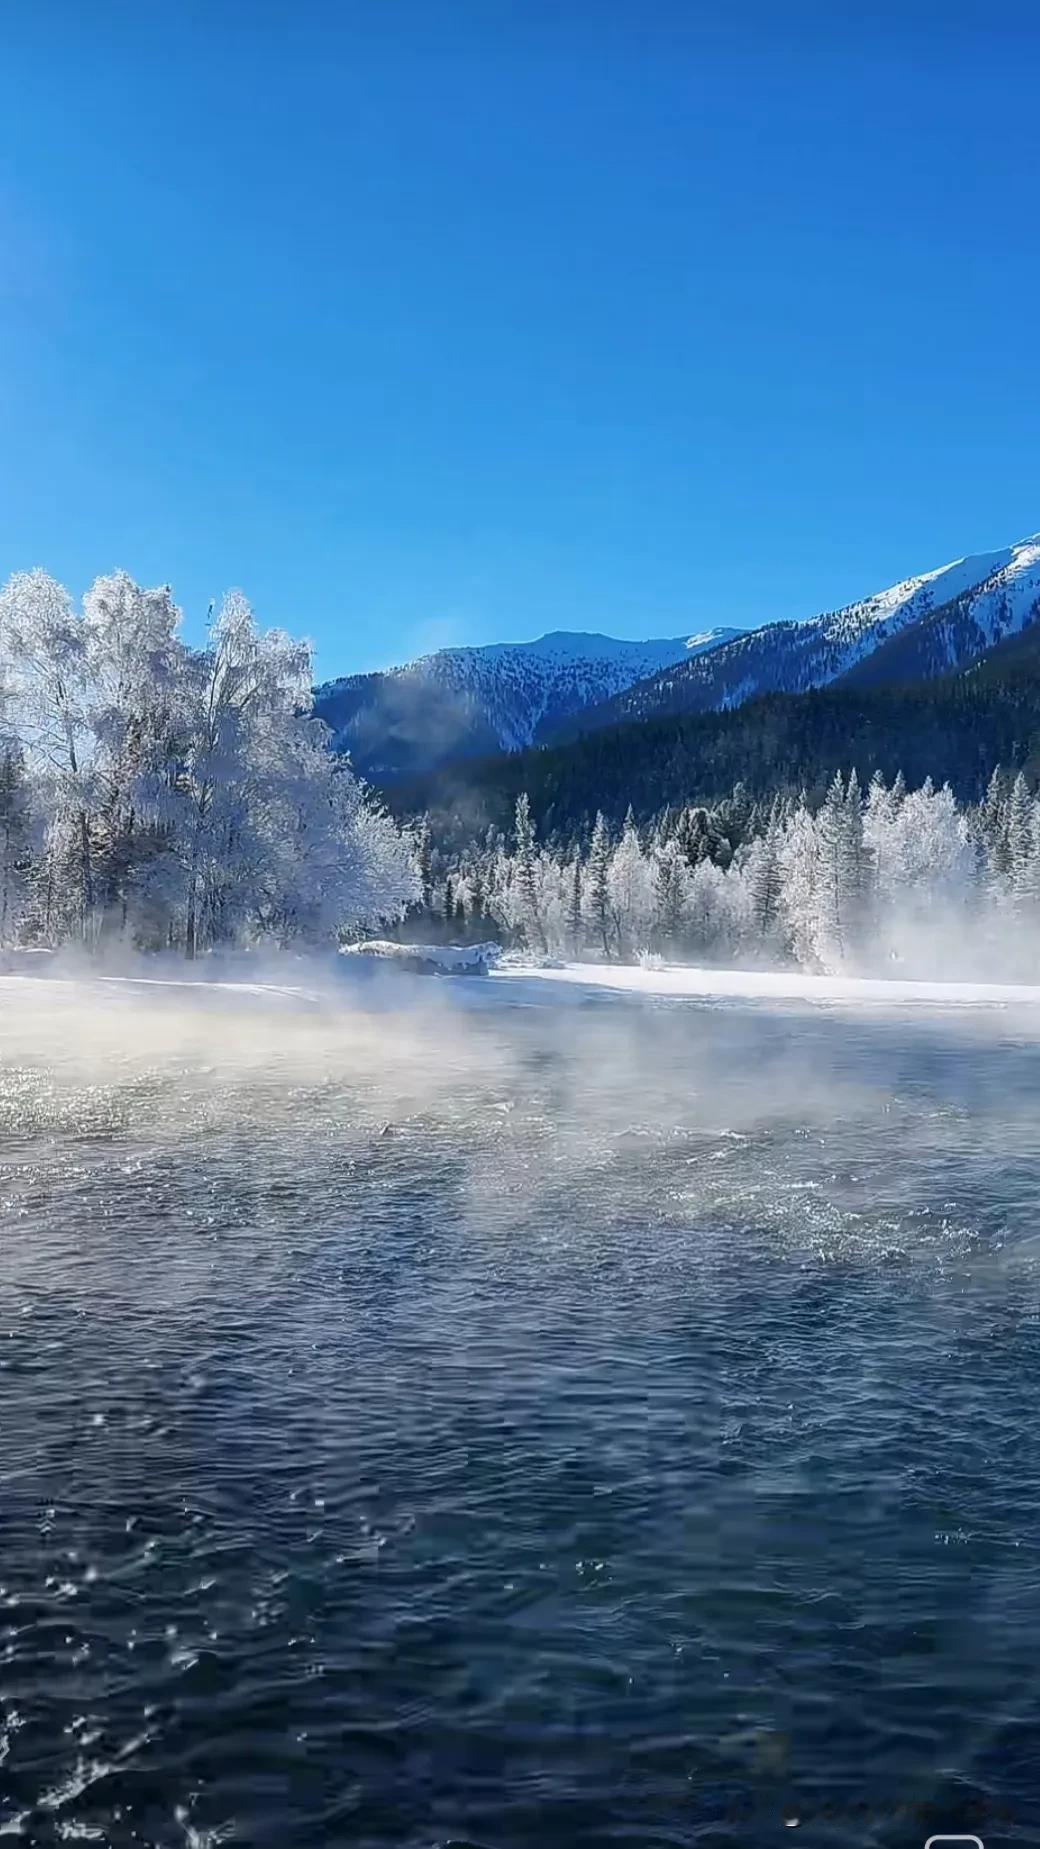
(785, 986)
(345, 981)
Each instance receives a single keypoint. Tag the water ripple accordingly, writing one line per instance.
(499, 1439)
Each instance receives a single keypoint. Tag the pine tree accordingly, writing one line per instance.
(476, 900)
(424, 861)
(841, 872)
(526, 877)
(1027, 883)
(693, 836)
(733, 817)
(799, 864)
(993, 811)
(671, 895)
(1018, 833)
(630, 889)
(763, 882)
(575, 929)
(597, 886)
(878, 822)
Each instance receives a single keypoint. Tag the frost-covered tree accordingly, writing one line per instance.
(710, 912)
(931, 850)
(630, 890)
(44, 645)
(575, 924)
(671, 892)
(841, 874)
(475, 900)
(526, 878)
(1018, 832)
(553, 889)
(799, 856)
(138, 716)
(880, 810)
(991, 822)
(697, 836)
(424, 860)
(16, 825)
(763, 884)
(1026, 878)
(596, 891)
(182, 797)
(15, 842)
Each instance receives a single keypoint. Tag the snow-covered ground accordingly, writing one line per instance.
(379, 982)
(786, 985)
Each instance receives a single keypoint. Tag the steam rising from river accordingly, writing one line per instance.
(425, 1392)
(626, 1115)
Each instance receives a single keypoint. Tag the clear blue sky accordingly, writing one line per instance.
(459, 320)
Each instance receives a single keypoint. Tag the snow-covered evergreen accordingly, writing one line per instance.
(853, 884)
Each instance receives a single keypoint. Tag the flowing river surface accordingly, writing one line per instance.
(534, 1423)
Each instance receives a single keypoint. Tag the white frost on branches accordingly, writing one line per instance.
(848, 884)
(175, 797)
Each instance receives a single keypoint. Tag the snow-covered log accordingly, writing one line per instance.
(429, 959)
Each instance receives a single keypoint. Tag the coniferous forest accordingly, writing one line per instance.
(862, 881)
(844, 829)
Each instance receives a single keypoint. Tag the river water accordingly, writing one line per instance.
(558, 1424)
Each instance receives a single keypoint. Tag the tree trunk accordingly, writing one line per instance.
(88, 872)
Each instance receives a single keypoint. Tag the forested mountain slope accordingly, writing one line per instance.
(919, 628)
(962, 630)
(464, 702)
(956, 727)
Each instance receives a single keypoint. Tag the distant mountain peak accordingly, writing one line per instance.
(504, 696)
(922, 626)
(479, 699)
(710, 638)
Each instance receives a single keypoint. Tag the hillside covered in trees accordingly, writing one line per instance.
(955, 729)
(924, 626)
(837, 829)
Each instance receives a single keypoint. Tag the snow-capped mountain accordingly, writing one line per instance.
(958, 632)
(466, 702)
(921, 627)
(462, 702)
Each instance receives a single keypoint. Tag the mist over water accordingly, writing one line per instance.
(496, 1421)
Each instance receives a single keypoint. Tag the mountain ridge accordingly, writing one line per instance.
(469, 701)
(961, 630)
(957, 726)
(956, 611)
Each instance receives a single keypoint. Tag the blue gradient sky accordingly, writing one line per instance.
(433, 322)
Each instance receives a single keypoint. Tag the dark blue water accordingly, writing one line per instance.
(568, 1427)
